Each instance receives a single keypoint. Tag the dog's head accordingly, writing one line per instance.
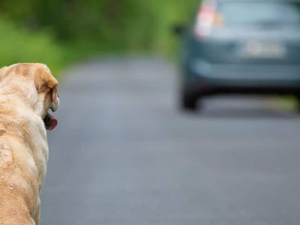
(36, 86)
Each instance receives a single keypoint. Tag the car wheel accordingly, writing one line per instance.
(298, 103)
(188, 101)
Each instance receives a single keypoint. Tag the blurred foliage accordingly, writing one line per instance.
(66, 30)
(19, 45)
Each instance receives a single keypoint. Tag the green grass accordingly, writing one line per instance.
(19, 45)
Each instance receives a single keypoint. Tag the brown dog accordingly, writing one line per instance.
(27, 92)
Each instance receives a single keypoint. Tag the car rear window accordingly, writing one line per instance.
(260, 12)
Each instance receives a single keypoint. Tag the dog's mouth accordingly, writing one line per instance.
(50, 122)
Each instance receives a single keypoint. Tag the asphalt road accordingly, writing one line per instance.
(123, 153)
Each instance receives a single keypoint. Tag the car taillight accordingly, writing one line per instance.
(205, 20)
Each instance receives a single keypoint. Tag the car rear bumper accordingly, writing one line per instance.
(246, 72)
(236, 78)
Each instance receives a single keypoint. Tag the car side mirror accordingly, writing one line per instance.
(179, 29)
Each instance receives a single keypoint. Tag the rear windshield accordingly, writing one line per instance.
(260, 12)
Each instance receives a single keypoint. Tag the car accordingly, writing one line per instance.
(240, 46)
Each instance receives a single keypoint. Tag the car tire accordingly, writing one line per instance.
(188, 101)
(298, 103)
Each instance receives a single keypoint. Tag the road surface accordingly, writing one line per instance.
(123, 153)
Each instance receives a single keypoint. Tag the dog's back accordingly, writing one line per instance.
(18, 185)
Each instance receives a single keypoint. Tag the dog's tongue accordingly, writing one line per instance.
(50, 122)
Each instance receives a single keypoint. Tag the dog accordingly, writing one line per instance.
(27, 92)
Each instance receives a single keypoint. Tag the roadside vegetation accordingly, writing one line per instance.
(60, 32)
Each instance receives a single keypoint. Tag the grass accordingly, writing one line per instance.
(19, 45)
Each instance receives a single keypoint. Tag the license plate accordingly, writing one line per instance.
(256, 49)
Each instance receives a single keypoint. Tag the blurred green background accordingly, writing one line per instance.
(60, 32)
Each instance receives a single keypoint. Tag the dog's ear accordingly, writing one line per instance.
(44, 80)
